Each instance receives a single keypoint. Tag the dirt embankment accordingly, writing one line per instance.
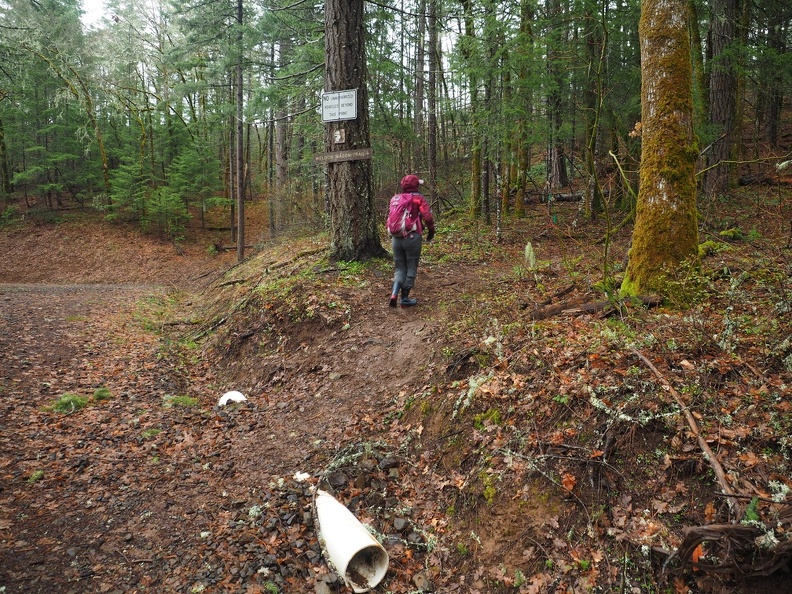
(491, 451)
(154, 488)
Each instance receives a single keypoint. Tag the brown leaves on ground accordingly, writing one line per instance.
(516, 456)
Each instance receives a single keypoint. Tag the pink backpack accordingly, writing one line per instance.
(402, 217)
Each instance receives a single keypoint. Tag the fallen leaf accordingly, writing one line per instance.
(680, 587)
(696, 555)
(749, 459)
(709, 513)
(568, 481)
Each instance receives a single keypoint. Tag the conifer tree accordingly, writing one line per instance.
(353, 220)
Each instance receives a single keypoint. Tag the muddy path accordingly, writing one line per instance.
(154, 488)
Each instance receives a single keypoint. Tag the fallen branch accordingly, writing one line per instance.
(575, 307)
(733, 500)
(552, 310)
(558, 294)
(736, 540)
(231, 248)
(236, 281)
(608, 307)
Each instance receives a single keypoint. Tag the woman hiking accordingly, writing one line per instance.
(408, 215)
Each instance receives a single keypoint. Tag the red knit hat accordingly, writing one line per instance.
(410, 183)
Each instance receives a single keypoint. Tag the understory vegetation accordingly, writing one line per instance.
(557, 429)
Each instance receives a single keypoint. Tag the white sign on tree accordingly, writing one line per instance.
(339, 105)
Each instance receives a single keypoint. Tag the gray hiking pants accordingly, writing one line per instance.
(406, 253)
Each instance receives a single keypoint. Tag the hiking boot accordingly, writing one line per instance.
(394, 298)
(406, 300)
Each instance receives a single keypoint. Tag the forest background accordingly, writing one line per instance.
(495, 103)
(505, 108)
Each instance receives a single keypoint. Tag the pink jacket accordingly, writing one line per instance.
(421, 206)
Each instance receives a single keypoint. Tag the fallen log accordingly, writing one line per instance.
(231, 248)
(549, 311)
(576, 307)
(763, 180)
(541, 197)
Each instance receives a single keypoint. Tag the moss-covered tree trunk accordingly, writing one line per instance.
(666, 231)
(353, 218)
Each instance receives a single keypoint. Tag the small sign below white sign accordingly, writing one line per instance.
(339, 105)
(350, 155)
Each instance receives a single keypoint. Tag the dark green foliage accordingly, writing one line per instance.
(166, 213)
(128, 194)
(150, 105)
(195, 175)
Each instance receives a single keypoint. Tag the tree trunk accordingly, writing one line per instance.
(525, 91)
(556, 159)
(240, 175)
(723, 96)
(434, 50)
(771, 76)
(700, 87)
(743, 23)
(475, 157)
(491, 143)
(507, 151)
(5, 175)
(666, 232)
(595, 46)
(353, 218)
(282, 147)
(420, 90)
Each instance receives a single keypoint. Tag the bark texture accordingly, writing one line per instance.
(666, 232)
(722, 96)
(353, 220)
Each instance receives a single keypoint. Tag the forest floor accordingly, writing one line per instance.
(512, 433)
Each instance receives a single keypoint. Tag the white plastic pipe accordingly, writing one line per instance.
(352, 551)
(232, 396)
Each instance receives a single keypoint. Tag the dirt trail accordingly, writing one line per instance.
(136, 492)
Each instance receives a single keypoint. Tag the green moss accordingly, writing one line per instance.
(628, 288)
(492, 415)
(751, 513)
(489, 492)
(69, 403)
(711, 248)
(180, 401)
(101, 393)
(734, 234)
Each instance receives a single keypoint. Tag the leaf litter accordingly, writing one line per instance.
(517, 456)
